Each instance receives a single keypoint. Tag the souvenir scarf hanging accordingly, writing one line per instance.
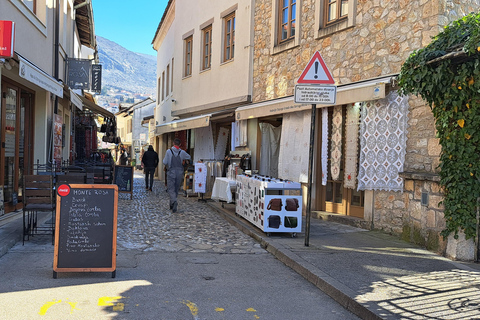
(351, 148)
(383, 138)
(203, 144)
(336, 146)
(324, 145)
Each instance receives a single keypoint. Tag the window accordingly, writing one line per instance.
(335, 10)
(334, 16)
(129, 126)
(229, 37)
(287, 20)
(207, 48)
(167, 82)
(159, 86)
(171, 87)
(188, 56)
(31, 4)
(163, 85)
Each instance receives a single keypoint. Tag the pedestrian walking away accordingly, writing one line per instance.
(123, 159)
(174, 160)
(150, 162)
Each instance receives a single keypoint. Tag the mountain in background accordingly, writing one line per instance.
(126, 76)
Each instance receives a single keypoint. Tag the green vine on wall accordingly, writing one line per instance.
(446, 74)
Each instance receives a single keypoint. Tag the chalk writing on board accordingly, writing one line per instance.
(81, 221)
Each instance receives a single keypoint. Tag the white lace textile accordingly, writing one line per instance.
(294, 146)
(383, 138)
(203, 144)
(351, 145)
(324, 158)
(336, 146)
(221, 145)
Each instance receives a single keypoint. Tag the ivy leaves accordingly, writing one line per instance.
(452, 89)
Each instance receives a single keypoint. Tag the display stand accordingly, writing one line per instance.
(272, 205)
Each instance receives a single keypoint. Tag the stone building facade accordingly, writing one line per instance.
(374, 41)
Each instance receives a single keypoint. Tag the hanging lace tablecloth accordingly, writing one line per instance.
(324, 145)
(203, 144)
(383, 137)
(351, 148)
(336, 146)
(221, 145)
(294, 146)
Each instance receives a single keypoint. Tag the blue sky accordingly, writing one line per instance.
(130, 23)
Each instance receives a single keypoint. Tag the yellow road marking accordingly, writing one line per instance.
(251, 310)
(192, 306)
(48, 305)
(219, 309)
(108, 301)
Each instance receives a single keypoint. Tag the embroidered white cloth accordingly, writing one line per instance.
(200, 177)
(203, 144)
(294, 146)
(241, 133)
(221, 145)
(351, 145)
(324, 158)
(269, 149)
(383, 138)
(336, 143)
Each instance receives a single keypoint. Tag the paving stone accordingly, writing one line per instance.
(146, 223)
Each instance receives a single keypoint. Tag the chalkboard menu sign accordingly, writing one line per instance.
(123, 178)
(86, 228)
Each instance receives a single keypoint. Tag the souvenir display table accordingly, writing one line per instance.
(272, 205)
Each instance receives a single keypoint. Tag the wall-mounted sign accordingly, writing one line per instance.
(78, 73)
(97, 78)
(7, 38)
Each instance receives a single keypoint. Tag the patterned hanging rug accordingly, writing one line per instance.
(336, 146)
(351, 148)
(383, 139)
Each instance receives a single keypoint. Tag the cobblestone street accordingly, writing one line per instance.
(146, 223)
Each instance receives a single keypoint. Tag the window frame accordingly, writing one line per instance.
(207, 47)
(167, 83)
(339, 17)
(188, 41)
(231, 17)
(276, 46)
(291, 20)
(163, 85)
(322, 29)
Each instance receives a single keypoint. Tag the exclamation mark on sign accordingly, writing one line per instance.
(316, 69)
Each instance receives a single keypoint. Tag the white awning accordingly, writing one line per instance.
(39, 77)
(349, 93)
(75, 99)
(183, 124)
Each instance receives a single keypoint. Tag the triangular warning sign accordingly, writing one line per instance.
(316, 72)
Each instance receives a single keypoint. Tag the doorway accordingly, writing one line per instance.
(16, 127)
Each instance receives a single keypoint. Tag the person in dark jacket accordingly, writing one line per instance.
(150, 163)
(174, 160)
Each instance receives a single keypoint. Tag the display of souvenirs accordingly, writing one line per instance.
(272, 205)
(200, 177)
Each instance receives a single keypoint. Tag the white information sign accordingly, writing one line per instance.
(315, 94)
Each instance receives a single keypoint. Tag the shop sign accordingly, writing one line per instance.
(97, 78)
(78, 73)
(7, 38)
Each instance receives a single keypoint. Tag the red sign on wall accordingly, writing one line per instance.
(7, 38)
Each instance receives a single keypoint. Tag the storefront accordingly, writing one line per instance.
(279, 138)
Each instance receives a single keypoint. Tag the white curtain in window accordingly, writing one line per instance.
(383, 139)
(294, 146)
(203, 144)
(269, 149)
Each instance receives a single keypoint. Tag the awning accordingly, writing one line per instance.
(75, 99)
(349, 93)
(37, 76)
(183, 124)
(96, 108)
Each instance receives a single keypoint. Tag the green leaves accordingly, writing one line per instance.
(452, 89)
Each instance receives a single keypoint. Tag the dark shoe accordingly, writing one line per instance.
(150, 189)
(146, 188)
(174, 209)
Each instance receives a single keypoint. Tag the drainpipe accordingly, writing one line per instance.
(56, 49)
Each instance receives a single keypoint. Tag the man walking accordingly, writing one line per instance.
(174, 160)
(150, 163)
